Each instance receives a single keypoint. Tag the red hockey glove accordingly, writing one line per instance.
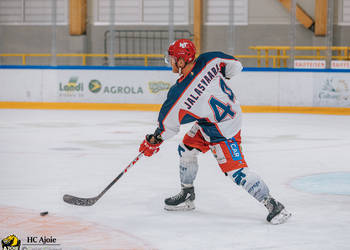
(150, 145)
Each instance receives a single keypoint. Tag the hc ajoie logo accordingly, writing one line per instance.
(41, 240)
(11, 243)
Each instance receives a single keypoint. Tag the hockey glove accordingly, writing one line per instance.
(150, 145)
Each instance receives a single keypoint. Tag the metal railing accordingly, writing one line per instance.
(343, 53)
(280, 54)
(145, 57)
(144, 42)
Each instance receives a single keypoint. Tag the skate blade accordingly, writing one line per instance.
(281, 218)
(186, 206)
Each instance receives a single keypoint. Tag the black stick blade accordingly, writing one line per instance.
(79, 201)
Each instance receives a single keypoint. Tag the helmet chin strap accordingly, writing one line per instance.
(180, 73)
(180, 69)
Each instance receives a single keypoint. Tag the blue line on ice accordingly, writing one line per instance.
(325, 183)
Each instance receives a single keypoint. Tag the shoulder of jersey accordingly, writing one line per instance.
(175, 90)
(208, 56)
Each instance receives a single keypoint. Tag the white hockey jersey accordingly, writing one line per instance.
(203, 96)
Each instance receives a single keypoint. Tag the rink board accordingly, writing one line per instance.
(145, 88)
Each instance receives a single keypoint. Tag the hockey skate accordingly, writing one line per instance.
(183, 201)
(277, 213)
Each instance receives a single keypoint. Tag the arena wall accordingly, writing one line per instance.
(145, 88)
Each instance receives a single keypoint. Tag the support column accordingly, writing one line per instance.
(292, 31)
(329, 31)
(321, 17)
(231, 30)
(301, 15)
(111, 41)
(77, 17)
(171, 22)
(197, 24)
(53, 31)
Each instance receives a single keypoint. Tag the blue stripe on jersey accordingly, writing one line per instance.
(211, 130)
(204, 58)
(173, 95)
(187, 119)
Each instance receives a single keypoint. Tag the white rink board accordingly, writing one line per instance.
(277, 88)
(21, 85)
(117, 86)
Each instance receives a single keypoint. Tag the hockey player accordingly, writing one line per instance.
(201, 95)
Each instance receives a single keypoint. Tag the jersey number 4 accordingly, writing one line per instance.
(220, 109)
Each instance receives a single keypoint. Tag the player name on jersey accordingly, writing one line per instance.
(201, 87)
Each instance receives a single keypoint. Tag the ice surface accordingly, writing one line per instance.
(45, 154)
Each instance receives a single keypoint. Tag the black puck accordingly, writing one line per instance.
(44, 213)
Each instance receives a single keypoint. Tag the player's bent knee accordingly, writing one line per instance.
(187, 153)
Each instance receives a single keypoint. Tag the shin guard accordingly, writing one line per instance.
(188, 164)
(251, 182)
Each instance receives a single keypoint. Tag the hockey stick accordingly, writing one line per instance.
(91, 201)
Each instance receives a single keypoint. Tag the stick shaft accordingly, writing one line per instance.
(120, 175)
(91, 201)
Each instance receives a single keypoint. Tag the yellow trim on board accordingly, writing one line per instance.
(302, 110)
(156, 107)
(80, 106)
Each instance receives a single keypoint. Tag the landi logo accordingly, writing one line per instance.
(72, 85)
(11, 243)
(156, 87)
(95, 86)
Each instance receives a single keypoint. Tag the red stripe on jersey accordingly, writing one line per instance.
(183, 112)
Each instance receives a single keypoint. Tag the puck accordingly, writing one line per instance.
(44, 213)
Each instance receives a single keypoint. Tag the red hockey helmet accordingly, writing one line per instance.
(182, 48)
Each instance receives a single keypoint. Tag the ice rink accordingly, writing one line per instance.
(44, 154)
